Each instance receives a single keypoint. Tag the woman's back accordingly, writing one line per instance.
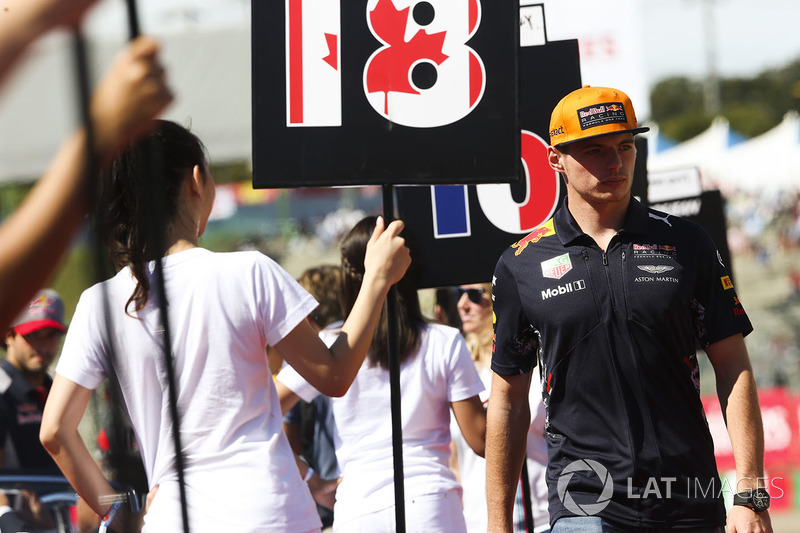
(223, 310)
(440, 372)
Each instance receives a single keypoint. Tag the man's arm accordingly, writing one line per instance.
(738, 398)
(508, 418)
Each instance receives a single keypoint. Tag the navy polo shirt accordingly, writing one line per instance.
(615, 335)
(20, 421)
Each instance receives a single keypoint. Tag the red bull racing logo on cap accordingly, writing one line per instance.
(42, 306)
(602, 114)
(544, 230)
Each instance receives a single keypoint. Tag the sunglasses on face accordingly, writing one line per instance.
(475, 295)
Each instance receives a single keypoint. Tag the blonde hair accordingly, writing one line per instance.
(479, 342)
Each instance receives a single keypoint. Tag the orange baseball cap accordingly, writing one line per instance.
(591, 112)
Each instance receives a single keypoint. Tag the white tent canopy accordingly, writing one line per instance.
(768, 162)
(208, 70)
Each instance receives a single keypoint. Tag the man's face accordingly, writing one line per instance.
(599, 170)
(32, 354)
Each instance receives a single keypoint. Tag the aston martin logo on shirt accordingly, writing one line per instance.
(655, 269)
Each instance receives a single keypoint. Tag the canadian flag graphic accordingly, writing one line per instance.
(440, 44)
(313, 75)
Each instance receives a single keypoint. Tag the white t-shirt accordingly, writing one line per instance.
(224, 308)
(472, 468)
(440, 373)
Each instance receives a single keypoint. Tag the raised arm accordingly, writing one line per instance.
(508, 419)
(332, 370)
(34, 237)
(738, 398)
(23, 21)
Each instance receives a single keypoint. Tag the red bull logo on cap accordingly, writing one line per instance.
(544, 230)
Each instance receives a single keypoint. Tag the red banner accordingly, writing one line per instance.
(780, 412)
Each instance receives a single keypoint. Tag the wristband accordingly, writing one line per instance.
(309, 474)
(111, 514)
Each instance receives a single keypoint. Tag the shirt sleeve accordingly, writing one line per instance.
(515, 341)
(283, 302)
(295, 383)
(83, 354)
(463, 381)
(718, 313)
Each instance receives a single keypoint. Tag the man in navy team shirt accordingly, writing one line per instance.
(609, 299)
(31, 345)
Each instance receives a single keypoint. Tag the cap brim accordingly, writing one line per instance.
(35, 325)
(632, 130)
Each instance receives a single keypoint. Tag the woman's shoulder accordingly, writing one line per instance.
(441, 330)
(239, 259)
(434, 334)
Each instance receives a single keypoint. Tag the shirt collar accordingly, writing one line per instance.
(19, 383)
(568, 230)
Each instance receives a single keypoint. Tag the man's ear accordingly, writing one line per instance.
(554, 159)
(9, 334)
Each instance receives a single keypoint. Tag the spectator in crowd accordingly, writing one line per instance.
(309, 426)
(223, 309)
(436, 376)
(474, 304)
(31, 345)
(445, 309)
(32, 516)
(132, 92)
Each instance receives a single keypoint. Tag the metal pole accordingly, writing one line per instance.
(154, 237)
(394, 381)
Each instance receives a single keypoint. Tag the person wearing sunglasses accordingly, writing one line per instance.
(474, 304)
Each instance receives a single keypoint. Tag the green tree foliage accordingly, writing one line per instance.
(751, 105)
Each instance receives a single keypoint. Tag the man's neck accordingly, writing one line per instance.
(36, 379)
(600, 221)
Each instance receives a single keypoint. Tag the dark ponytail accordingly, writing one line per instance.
(126, 205)
(410, 319)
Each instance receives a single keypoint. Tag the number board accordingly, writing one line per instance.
(370, 92)
(458, 232)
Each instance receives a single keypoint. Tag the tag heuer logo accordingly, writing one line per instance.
(556, 267)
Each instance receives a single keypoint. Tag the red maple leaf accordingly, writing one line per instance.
(389, 69)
